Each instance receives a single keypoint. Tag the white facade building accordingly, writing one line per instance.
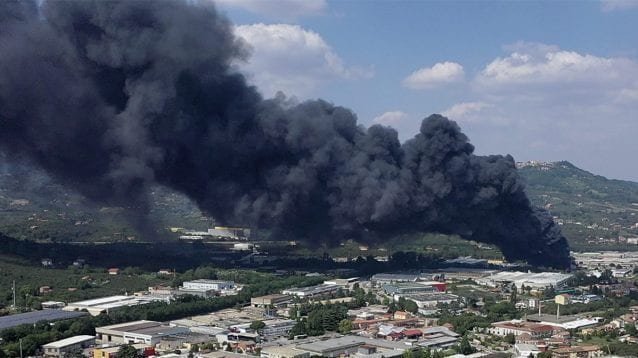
(204, 285)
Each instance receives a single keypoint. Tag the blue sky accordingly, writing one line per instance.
(538, 80)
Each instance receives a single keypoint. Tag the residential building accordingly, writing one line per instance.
(578, 352)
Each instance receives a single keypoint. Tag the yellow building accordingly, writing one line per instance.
(562, 299)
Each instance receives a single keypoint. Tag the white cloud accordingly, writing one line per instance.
(611, 5)
(279, 9)
(462, 110)
(555, 104)
(291, 59)
(439, 74)
(391, 118)
(539, 66)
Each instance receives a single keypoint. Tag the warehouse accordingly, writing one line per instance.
(274, 300)
(37, 316)
(349, 345)
(59, 349)
(148, 332)
(534, 280)
(311, 291)
(105, 304)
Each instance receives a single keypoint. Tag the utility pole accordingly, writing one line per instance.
(14, 294)
(20, 347)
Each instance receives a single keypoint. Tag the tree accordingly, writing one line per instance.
(465, 347)
(631, 329)
(510, 338)
(410, 306)
(257, 325)
(127, 351)
(298, 329)
(514, 294)
(345, 326)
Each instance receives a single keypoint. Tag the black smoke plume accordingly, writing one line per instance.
(111, 97)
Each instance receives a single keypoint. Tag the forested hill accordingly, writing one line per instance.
(595, 212)
(32, 206)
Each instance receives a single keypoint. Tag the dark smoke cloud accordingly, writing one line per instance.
(111, 97)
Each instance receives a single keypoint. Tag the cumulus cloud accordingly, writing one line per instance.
(463, 110)
(292, 59)
(538, 66)
(391, 118)
(579, 106)
(439, 74)
(280, 9)
(611, 5)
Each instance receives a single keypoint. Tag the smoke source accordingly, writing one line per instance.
(111, 97)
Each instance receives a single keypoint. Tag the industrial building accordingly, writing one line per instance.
(207, 288)
(417, 287)
(311, 291)
(59, 349)
(106, 304)
(603, 260)
(144, 350)
(429, 300)
(217, 285)
(517, 327)
(274, 300)
(33, 317)
(353, 345)
(387, 278)
(534, 280)
(147, 332)
(287, 351)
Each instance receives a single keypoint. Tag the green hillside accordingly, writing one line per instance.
(32, 206)
(595, 212)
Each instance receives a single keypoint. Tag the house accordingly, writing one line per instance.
(562, 299)
(578, 352)
(79, 263)
(401, 315)
(412, 333)
(45, 289)
(47, 262)
(113, 271)
(165, 272)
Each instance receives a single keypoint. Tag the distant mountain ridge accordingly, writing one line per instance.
(588, 206)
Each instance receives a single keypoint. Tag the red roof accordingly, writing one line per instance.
(413, 332)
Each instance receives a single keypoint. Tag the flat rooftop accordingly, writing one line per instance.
(37, 316)
(68, 341)
(329, 345)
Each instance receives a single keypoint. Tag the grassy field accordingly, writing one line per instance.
(67, 284)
